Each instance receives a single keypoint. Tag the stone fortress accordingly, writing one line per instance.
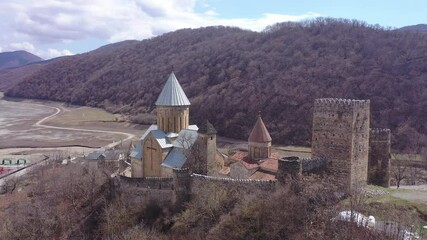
(174, 154)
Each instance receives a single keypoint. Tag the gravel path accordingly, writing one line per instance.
(419, 193)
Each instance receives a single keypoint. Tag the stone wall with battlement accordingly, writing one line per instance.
(341, 135)
(291, 168)
(379, 157)
(149, 182)
(260, 184)
(314, 165)
(181, 185)
(380, 134)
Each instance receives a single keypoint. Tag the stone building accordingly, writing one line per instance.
(259, 142)
(258, 162)
(206, 147)
(379, 157)
(341, 135)
(173, 143)
(341, 140)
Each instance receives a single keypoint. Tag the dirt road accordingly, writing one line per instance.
(41, 123)
(416, 193)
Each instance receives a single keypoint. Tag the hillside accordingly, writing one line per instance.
(415, 28)
(11, 76)
(17, 59)
(230, 74)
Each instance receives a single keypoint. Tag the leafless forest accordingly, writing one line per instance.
(77, 202)
(230, 74)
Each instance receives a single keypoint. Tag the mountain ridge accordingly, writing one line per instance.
(415, 28)
(229, 74)
(17, 59)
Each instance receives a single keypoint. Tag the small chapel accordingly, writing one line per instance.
(259, 162)
(173, 143)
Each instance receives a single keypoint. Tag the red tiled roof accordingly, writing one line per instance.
(260, 175)
(243, 158)
(269, 164)
(239, 155)
(277, 155)
(259, 132)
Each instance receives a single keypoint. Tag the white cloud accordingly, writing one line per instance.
(52, 53)
(258, 24)
(211, 12)
(44, 22)
(26, 46)
(21, 46)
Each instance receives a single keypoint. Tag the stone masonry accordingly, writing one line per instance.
(379, 157)
(341, 135)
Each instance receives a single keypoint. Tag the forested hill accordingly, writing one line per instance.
(17, 59)
(230, 74)
(415, 28)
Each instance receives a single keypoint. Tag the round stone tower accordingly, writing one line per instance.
(259, 142)
(172, 107)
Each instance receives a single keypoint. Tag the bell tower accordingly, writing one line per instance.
(172, 107)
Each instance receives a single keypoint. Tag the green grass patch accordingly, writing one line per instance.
(389, 207)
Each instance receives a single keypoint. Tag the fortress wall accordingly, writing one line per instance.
(360, 149)
(149, 182)
(259, 184)
(379, 157)
(313, 165)
(291, 168)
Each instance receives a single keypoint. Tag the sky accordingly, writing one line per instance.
(52, 28)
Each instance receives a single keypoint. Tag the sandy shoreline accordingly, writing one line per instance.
(33, 130)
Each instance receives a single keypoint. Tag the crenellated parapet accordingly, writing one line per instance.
(149, 182)
(313, 165)
(291, 168)
(260, 184)
(334, 103)
(181, 171)
(234, 180)
(380, 134)
(379, 156)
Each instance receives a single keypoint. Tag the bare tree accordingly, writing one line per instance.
(398, 173)
(192, 146)
(11, 184)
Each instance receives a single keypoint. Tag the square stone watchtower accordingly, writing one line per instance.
(379, 157)
(341, 135)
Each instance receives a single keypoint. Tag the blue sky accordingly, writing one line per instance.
(387, 13)
(51, 28)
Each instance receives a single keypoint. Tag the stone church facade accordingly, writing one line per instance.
(173, 143)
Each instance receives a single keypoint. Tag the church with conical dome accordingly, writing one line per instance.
(173, 143)
(258, 163)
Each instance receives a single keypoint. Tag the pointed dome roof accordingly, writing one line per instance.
(207, 128)
(259, 132)
(172, 94)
